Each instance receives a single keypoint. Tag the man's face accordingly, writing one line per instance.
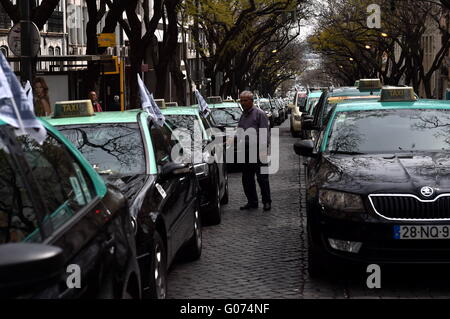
(246, 102)
(93, 96)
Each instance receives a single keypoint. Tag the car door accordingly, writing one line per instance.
(90, 224)
(173, 190)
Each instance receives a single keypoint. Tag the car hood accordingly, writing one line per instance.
(388, 173)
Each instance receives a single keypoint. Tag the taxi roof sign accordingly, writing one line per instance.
(78, 108)
(214, 100)
(161, 103)
(398, 94)
(171, 104)
(370, 84)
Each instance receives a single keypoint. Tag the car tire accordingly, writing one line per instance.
(158, 269)
(193, 249)
(225, 197)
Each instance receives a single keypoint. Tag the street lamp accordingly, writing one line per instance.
(274, 51)
(277, 61)
(368, 47)
(384, 35)
(351, 59)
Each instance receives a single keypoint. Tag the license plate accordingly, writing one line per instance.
(422, 232)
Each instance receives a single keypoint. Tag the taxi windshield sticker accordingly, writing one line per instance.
(161, 191)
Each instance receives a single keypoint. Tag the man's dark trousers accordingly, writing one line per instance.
(249, 170)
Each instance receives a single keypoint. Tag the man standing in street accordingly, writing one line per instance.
(254, 121)
(94, 100)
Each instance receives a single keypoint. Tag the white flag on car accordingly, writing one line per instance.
(15, 107)
(203, 106)
(29, 92)
(149, 105)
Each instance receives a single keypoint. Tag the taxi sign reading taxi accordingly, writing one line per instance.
(106, 40)
(404, 94)
(73, 109)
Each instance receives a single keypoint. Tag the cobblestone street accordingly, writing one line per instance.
(260, 254)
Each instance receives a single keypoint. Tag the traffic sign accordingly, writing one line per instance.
(106, 40)
(15, 41)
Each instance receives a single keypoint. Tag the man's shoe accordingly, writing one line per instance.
(267, 206)
(249, 206)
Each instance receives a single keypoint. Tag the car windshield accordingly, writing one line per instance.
(390, 131)
(226, 116)
(112, 149)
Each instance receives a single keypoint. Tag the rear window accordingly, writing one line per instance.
(112, 149)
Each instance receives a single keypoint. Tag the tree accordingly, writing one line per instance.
(236, 32)
(351, 50)
(39, 14)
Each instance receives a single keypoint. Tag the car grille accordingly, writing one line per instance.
(410, 207)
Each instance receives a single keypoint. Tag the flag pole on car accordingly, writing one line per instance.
(149, 105)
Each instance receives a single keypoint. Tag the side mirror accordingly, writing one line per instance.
(308, 125)
(28, 268)
(304, 148)
(172, 169)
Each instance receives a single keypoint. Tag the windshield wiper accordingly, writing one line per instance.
(346, 152)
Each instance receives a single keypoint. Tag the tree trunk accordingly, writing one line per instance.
(168, 49)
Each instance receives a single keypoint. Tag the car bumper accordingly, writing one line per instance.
(377, 242)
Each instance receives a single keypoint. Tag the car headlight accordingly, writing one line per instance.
(341, 201)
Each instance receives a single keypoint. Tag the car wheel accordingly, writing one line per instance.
(214, 215)
(158, 269)
(193, 249)
(225, 198)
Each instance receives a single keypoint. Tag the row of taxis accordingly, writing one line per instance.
(275, 109)
(377, 179)
(104, 207)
